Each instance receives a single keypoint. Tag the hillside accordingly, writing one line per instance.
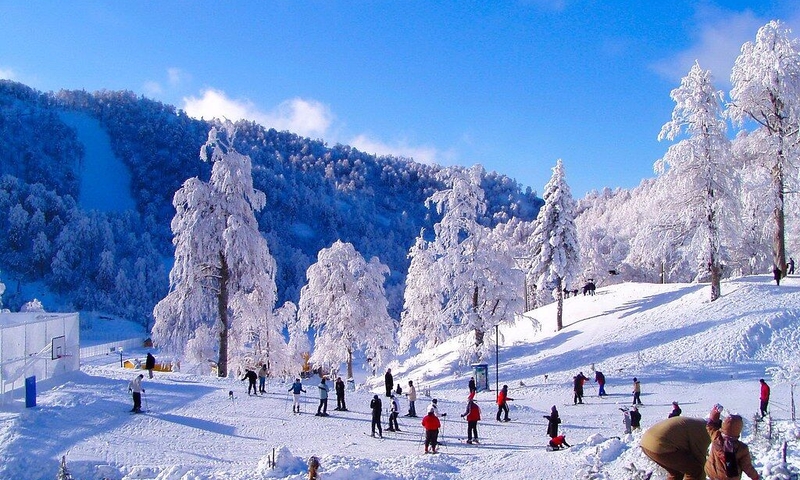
(87, 181)
(679, 345)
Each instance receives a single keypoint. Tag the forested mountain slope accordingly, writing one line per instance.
(116, 260)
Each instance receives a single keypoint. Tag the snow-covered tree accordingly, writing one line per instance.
(699, 176)
(766, 90)
(464, 279)
(345, 302)
(33, 306)
(555, 260)
(222, 285)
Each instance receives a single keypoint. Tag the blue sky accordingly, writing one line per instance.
(512, 85)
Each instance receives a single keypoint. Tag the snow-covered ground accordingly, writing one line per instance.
(681, 347)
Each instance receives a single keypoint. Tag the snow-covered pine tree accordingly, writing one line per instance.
(222, 284)
(554, 246)
(345, 302)
(464, 279)
(766, 90)
(700, 183)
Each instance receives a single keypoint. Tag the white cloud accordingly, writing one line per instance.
(718, 42)
(176, 76)
(8, 74)
(152, 89)
(308, 118)
(429, 155)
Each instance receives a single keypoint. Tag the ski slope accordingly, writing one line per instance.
(681, 347)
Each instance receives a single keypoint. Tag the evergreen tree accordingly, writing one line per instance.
(697, 173)
(345, 303)
(554, 243)
(766, 90)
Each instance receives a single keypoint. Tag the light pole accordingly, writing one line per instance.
(120, 356)
(497, 357)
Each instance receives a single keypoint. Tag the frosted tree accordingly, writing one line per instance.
(699, 175)
(464, 279)
(222, 284)
(789, 373)
(299, 345)
(345, 302)
(766, 91)
(555, 258)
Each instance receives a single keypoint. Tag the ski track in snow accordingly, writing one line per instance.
(681, 346)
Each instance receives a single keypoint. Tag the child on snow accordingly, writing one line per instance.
(559, 442)
(729, 456)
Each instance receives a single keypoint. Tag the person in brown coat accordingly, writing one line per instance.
(729, 457)
(679, 445)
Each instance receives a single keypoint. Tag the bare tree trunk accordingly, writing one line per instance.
(560, 309)
(222, 309)
(349, 363)
(716, 279)
(779, 241)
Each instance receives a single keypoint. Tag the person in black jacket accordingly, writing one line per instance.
(389, 382)
(150, 363)
(676, 410)
(636, 418)
(376, 407)
(252, 377)
(552, 422)
(472, 388)
(340, 395)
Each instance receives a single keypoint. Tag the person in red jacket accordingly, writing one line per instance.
(473, 414)
(502, 405)
(430, 423)
(764, 397)
(559, 442)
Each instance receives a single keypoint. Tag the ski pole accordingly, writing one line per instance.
(146, 405)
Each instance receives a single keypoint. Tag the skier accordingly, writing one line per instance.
(376, 405)
(601, 382)
(729, 456)
(552, 422)
(394, 412)
(150, 363)
(389, 381)
(764, 397)
(340, 406)
(577, 387)
(777, 274)
(435, 406)
(679, 445)
(322, 409)
(637, 391)
(473, 414)
(262, 378)
(676, 410)
(251, 377)
(626, 420)
(636, 418)
(296, 388)
(559, 442)
(431, 424)
(135, 387)
(412, 397)
(472, 388)
(502, 403)
(791, 266)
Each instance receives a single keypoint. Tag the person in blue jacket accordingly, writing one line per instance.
(296, 389)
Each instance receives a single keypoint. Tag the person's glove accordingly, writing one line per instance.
(462, 415)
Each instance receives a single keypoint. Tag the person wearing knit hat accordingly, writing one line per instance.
(729, 456)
